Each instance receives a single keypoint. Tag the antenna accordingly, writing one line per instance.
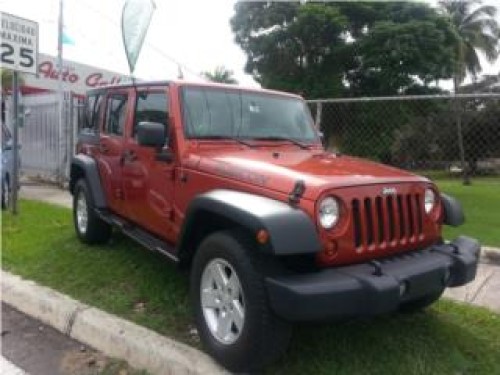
(180, 74)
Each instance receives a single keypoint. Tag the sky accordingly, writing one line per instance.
(195, 33)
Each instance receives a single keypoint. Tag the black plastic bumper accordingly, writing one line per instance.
(374, 287)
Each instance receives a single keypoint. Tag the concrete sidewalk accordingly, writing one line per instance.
(46, 193)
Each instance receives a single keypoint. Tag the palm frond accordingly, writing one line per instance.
(471, 60)
(477, 30)
(486, 25)
(485, 10)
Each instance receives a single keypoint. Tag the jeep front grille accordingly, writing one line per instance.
(388, 220)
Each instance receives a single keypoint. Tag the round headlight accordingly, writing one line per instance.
(329, 212)
(429, 200)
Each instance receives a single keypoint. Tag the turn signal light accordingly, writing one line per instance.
(262, 236)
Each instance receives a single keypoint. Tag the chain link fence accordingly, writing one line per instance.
(434, 134)
(46, 145)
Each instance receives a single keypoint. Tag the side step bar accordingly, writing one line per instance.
(146, 239)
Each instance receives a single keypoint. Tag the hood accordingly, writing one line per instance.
(280, 170)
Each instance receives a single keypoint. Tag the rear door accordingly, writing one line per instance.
(147, 181)
(111, 144)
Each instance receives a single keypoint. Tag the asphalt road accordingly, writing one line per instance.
(41, 350)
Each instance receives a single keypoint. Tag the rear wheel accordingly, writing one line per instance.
(89, 227)
(232, 313)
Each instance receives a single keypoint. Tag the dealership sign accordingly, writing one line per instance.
(76, 77)
(19, 44)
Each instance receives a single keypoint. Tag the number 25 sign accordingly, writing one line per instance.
(18, 44)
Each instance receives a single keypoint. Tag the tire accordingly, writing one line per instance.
(89, 227)
(421, 303)
(6, 193)
(257, 339)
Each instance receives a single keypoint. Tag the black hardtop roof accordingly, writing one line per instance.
(188, 83)
(127, 85)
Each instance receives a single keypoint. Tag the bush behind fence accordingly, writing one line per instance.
(453, 134)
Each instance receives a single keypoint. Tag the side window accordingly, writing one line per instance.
(152, 107)
(116, 112)
(90, 121)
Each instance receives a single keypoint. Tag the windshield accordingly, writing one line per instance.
(217, 113)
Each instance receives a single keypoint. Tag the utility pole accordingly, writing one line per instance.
(60, 95)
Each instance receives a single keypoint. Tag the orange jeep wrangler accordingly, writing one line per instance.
(234, 184)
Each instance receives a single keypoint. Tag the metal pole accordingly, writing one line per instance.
(15, 167)
(460, 139)
(71, 127)
(60, 169)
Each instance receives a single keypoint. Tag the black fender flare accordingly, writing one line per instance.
(86, 167)
(453, 212)
(291, 231)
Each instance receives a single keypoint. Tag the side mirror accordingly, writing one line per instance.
(7, 145)
(151, 134)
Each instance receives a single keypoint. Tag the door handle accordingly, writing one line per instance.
(103, 148)
(128, 156)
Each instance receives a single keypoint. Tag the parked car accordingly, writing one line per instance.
(234, 185)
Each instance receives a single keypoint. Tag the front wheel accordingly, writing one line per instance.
(89, 227)
(232, 313)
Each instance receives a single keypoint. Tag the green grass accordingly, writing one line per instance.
(40, 244)
(449, 338)
(481, 203)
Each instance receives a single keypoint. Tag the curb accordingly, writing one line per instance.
(490, 255)
(115, 337)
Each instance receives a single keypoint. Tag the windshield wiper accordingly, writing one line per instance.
(276, 138)
(227, 137)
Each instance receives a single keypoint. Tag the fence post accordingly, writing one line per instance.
(319, 108)
(71, 131)
(317, 122)
(460, 139)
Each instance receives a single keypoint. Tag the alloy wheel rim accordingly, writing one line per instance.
(81, 213)
(222, 301)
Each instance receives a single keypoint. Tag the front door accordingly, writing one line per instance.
(148, 182)
(111, 145)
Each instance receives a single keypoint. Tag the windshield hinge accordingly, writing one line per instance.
(298, 191)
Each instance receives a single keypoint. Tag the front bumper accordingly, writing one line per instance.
(374, 287)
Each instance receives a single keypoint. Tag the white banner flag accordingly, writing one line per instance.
(136, 17)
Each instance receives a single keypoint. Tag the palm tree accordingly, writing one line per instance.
(221, 75)
(487, 83)
(475, 30)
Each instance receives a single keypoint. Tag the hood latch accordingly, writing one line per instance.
(298, 191)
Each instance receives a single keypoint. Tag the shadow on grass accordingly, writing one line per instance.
(438, 341)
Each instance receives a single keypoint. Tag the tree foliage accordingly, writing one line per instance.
(220, 75)
(344, 48)
(7, 77)
(427, 136)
